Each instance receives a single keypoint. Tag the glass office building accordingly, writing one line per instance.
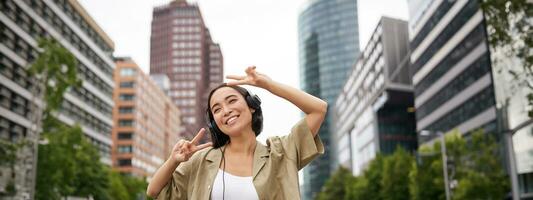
(328, 37)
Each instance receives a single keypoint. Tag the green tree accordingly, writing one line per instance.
(336, 187)
(395, 175)
(369, 185)
(117, 188)
(136, 187)
(481, 175)
(69, 164)
(475, 165)
(509, 27)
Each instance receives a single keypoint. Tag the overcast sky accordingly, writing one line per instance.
(250, 32)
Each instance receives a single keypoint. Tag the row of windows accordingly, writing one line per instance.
(475, 71)
(14, 102)
(88, 75)
(186, 21)
(431, 23)
(458, 21)
(90, 99)
(79, 115)
(25, 51)
(126, 123)
(49, 16)
(186, 53)
(10, 130)
(473, 106)
(187, 76)
(126, 109)
(185, 102)
(125, 149)
(472, 40)
(186, 69)
(128, 72)
(103, 148)
(17, 44)
(187, 61)
(183, 93)
(186, 37)
(186, 29)
(184, 84)
(17, 74)
(126, 97)
(125, 135)
(84, 26)
(127, 84)
(186, 45)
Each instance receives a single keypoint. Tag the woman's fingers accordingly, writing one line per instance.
(239, 82)
(235, 77)
(203, 146)
(198, 136)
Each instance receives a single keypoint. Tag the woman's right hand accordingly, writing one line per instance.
(184, 149)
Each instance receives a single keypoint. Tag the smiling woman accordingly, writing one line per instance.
(254, 171)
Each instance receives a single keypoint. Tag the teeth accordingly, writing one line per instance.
(230, 120)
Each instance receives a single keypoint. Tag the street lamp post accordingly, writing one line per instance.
(444, 160)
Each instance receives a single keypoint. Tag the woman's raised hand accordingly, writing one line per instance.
(252, 78)
(184, 149)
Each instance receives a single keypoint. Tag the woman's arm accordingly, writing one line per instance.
(182, 151)
(314, 108)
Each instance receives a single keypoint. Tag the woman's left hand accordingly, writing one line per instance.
(252, 77)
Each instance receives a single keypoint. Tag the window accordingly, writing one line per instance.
(127, 84)
(125, 149)
(127, 72)
(125, 122)
(125, 110)
(125, 135)
(124, 162)
(127, 97)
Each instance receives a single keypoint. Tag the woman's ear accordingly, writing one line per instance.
(253, 110)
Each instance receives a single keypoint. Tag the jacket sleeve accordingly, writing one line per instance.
(300, 145)
(176, 187)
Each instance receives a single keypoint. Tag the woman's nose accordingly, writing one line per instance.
(227, 112)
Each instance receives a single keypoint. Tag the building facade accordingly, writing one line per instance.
(21, 24)
(462, 83)
(182, 48)
(146, 121)
(328, 38)
(374, 112)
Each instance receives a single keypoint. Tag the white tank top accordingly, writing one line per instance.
(235, 187)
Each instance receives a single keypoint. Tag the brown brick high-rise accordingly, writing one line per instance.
(182, 48)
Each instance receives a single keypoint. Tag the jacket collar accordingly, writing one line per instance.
(261, 154)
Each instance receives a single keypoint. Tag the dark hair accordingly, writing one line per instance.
(218, 137)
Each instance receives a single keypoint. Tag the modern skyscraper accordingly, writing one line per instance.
(374, 111)
(462, 83)
(451, 69)
(182, 48)
(328, 36)
(90, 106)
(146, 121)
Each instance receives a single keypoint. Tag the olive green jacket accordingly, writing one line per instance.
(275, 167)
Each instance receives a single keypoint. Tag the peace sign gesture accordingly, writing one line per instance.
(252, 77)
(184, 149)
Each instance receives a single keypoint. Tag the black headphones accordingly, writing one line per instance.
(253, 101)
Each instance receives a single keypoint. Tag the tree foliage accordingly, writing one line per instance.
(474, 164)
(510, 27)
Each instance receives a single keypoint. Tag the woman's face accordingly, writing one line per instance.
(230, 111)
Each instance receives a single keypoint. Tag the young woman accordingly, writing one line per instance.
(234, 165)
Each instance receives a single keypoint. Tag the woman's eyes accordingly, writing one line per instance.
(230, 101)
